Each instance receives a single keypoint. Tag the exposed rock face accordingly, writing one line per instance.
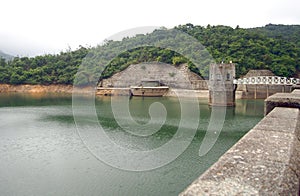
(173, 76)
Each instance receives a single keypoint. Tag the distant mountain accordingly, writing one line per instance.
(6, 56)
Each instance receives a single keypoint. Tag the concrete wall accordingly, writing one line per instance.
(221, 87)
(291, 100)
(179, 77)
(266, 161)
(262, 91)
(187, 93)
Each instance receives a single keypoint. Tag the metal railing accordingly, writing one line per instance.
(271, 80)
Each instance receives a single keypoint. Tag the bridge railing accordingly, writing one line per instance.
(272, 80)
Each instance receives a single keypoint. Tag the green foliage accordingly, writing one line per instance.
(177, 60)
(142, 54)
(274, 47)
(288, 33)
(47, 69)
(172, 74)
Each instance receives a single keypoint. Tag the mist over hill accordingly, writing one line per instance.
(6, 56)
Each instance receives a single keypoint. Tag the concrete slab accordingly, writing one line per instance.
(239, 177)
(291, 100)
(284, 113)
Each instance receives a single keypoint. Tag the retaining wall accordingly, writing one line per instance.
(291, 100)
(179, 77)
(262, 91)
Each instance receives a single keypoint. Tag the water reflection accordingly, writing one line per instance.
(250, 107)
(41, 153)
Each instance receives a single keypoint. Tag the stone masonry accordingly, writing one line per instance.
(179, 77)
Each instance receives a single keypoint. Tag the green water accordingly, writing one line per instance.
(41, 152)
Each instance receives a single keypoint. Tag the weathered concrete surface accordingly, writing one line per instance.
(179, 77)
(170, 93)
(295, 87)
(113, 91)
(296, 91)
(262, 91)
(266, 161)
(221, 87)
(291, 100)
(187, 93)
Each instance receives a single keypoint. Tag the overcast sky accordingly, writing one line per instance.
(35, 27)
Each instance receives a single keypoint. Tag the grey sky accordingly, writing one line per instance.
(35, 27)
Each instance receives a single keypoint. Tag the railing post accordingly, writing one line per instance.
(255, 89)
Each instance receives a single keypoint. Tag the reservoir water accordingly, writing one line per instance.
(41, 152)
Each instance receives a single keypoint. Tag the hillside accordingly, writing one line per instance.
(288, 33)
(250, 48)
(273, 47)
(6, 56)
(46, 69)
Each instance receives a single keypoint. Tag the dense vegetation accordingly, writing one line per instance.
(274, 47)
(251, 48)
(288, 33)
(47, 69)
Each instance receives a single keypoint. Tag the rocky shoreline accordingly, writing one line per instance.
(28, 88)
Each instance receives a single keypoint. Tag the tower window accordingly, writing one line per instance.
(228, 76)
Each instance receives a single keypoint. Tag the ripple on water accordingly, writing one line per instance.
(41, 153)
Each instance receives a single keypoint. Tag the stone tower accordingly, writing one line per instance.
(221, 87)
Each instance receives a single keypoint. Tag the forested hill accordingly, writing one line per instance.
(256, 48)
(274, 47)
(288, 33)
(5, 56)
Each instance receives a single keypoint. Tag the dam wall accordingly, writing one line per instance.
(262, 91)
(178, 77)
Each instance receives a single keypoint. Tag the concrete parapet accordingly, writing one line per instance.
(266, 161)
(296, 91)
(291, 100)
